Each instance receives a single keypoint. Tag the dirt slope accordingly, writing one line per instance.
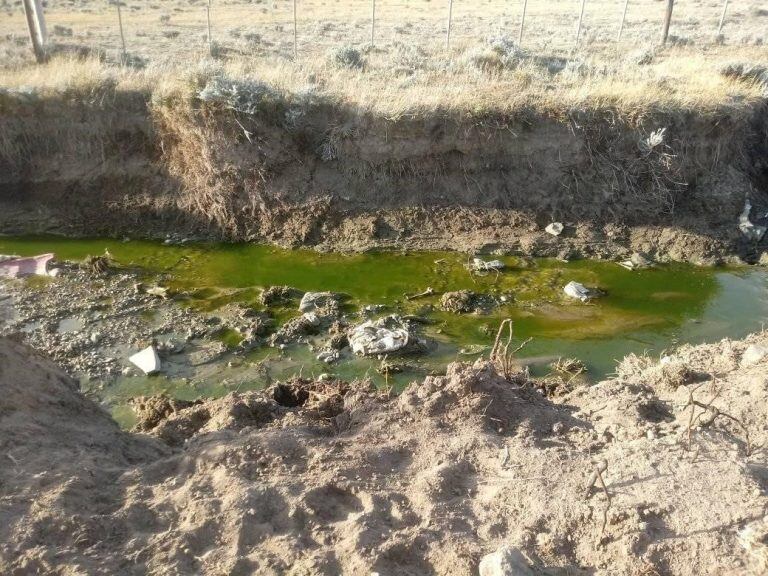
(346, 179)
(325, 478)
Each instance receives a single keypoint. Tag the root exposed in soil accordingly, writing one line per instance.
(328, 477)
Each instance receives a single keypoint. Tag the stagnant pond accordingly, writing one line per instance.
(646, 310)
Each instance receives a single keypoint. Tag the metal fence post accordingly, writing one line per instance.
(623, 17)
(667, 21)
(522, 23)
(450, 21)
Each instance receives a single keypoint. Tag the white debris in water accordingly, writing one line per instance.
(578, 291)
(481, 265)
(555, 229)
(751, 231)
(636, 262)
(379, 336)
(328, 356)
(147, 360)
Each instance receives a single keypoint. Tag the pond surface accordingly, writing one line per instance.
(642, 311)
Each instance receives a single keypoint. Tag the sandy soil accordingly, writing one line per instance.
(329, 478)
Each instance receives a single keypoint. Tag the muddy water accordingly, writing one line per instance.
(648, 310)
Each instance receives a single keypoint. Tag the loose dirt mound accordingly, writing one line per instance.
(328, 478)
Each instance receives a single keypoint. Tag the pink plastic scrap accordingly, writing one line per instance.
(18, 267)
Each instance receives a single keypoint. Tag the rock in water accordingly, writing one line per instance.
(147, 360)
(506, 561)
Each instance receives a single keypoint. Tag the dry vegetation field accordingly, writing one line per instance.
(409, 68)
(174, 29)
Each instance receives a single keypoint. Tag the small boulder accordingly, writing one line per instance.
(506, 561)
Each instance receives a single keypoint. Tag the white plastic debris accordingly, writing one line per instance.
(578, 291)
(555, 229)
(381, 336)
(753, 354)
(328, 356)
(751, 231)
(158, 291)
(54, 272)
(147, 360)
(19, 267)
(313, 300)
(636, 262)
(506, 561)
(481, 265)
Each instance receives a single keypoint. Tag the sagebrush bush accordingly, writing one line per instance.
(245, 96)
(347, 57)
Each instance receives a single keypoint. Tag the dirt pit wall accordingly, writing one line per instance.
(304, 172)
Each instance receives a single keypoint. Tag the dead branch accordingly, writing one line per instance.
(600, 467)
(709, 414)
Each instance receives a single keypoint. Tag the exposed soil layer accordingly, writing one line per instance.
(329, 478)
(316, 173)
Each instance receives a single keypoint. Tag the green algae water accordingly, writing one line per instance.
(642, 311)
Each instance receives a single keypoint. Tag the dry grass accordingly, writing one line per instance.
(409, 72)
(676, 82)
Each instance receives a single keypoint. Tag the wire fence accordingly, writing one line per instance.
(298, 27)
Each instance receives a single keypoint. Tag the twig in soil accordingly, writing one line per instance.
(712, 413)
(600, 467)
(428, 292)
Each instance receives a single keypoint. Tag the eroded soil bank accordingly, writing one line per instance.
(300, 170)
(330, 478)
